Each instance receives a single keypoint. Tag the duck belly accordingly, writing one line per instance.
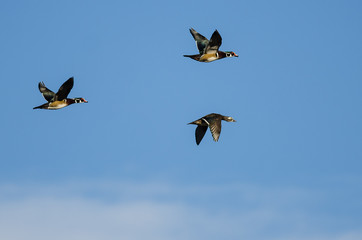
(57, 105)
(208, 57)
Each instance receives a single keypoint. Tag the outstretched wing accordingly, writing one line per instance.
(47, 94)
(200, 133)
(214, 43)
(64, 90)
(201, 41)
(215, 128)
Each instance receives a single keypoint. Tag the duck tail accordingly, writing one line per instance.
(195, 57)
(38, 107)
(194, 122)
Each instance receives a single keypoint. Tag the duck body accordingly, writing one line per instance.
(60, 104)
(58, 100)
(209, 50)
(211, 121)
(209, 57)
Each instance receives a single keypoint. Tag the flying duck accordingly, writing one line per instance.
(58, 100)
(212, 121)
(209, 50)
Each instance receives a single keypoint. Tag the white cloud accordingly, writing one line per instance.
(160, 212)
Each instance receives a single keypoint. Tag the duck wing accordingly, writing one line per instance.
(201, 41)
(215, 128)
(47, 94)
(65, 89)
(200, 133)
(214, 43)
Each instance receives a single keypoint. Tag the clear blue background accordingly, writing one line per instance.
(126, 165)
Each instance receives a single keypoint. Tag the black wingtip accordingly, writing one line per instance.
(70, 79)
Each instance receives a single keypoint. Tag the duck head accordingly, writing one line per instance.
(231, 54)
(229, 119)
(80, 100)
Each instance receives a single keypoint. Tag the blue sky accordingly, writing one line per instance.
(126, 165)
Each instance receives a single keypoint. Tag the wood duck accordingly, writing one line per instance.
(208, 50)
(58, 100)
(213, 121)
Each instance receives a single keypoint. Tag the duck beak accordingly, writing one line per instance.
(85, 101)
(236, 55)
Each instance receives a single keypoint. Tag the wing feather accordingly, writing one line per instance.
(201, 41)
(47, 94)
(215, 129)
(200, 133)
(64, 90)
(214, 44)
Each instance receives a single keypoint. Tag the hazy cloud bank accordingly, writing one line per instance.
(131, 211)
